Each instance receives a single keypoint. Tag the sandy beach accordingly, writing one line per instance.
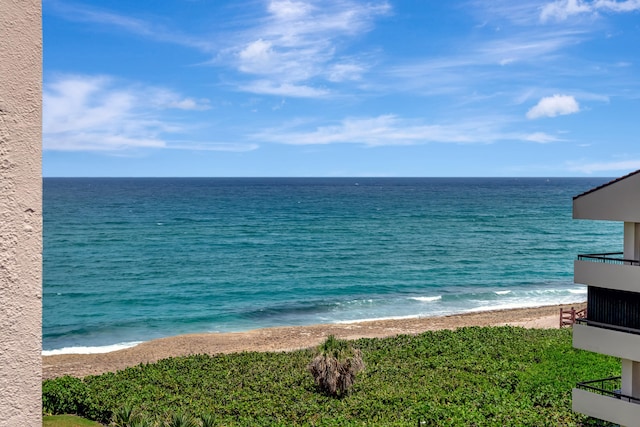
(288, 338)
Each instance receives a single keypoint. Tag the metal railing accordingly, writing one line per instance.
(607, 387)
(608, 258)
(583, 321)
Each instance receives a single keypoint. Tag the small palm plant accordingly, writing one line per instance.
(126, 416)
(208, 420)
(336, 365)
(180, 419)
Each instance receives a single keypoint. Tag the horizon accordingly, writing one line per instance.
(331, 177)
(288, 88)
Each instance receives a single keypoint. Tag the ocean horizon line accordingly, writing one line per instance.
(336, 177)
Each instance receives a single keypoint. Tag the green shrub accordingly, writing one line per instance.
(472, 376)
(70, 395)
(63, 396)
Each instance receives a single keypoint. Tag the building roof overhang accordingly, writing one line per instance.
(617, 200)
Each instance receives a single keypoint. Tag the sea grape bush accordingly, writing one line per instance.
(477, 376)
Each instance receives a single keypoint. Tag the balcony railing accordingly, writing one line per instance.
(607, 387)
(609, 258)
(582, 321)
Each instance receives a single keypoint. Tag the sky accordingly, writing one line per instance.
(341, 88)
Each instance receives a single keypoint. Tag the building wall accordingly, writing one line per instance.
(616, 202)
(20, 213)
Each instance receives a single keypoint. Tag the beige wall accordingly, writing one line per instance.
(610, 276)
(619, 201)
(20, 212)
(606, 408)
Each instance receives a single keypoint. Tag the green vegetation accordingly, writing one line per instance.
(67, 421)
(470, 377)
(335, 367)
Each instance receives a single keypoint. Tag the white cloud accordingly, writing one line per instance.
(213, 146)
(97, 113)
(520, 54)
(562, 9)
(344, 72)
(556, 105)
(527, 46)
(296, 45)
(520, 12)
(256, 56)
(374, 131)
(541, 138)
(391, 130)
(266, 87)
(288, 10)
(164, 98)
(614, 166)
(617, 6)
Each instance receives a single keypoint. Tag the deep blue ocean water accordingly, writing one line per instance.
(129, 260)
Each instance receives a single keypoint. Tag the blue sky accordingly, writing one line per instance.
(341, 88)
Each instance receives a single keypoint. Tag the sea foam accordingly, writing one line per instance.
(427, 299)
(90, 350)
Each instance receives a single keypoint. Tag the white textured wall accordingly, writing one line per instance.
(20, 213)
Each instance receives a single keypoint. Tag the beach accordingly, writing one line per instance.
(289, 338)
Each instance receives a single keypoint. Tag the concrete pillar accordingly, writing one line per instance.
(20, 213)
(637, 242)
(630, 378)
(630, 240)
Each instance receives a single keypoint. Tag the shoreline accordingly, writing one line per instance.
(289, 338)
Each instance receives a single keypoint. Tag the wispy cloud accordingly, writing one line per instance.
(296, 45)
(613, 166)
(82, 13)
(212, 146)
(391, 130)
(99, 113)
(294, 48)
(268, 87)
(541, 138)
(494, 13)
(552, 106)
(504, 62)
(561, 10)
(526, 46)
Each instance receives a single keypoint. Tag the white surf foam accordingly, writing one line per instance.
(373, 319)
(507, 306)
(90, 350)
(427, 299)
(502, 292)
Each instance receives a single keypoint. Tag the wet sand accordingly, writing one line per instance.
(288, 338)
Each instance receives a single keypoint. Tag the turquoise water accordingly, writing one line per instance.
(128, 260)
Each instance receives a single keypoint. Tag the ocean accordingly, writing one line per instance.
(130, 260)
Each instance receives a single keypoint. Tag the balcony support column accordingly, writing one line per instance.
(631, 240)
(630, 378)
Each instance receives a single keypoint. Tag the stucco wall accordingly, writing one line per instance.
(20, 212)
(619, 201)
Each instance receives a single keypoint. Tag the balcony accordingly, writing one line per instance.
(606, 339)
(609, 258)
(607, 387)
(612, 325)
(608, 270)
(603, 399)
